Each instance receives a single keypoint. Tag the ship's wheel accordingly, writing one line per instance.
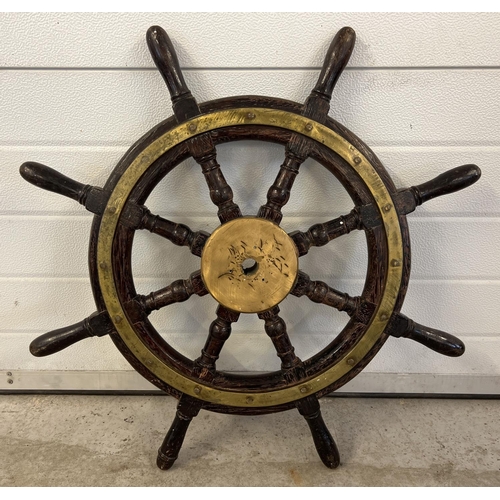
(249, 264)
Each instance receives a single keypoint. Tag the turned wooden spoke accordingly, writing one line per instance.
(326, 447)
(203, 151)
(165, 58)
(139, 217)
(399, 325)
(219, 332)
(97, 324)
(320, 234)
(168, 452)
(276, 330)
(316, 108)
(178, 234)
(405, 201)
(92, 198)
(278, 195)
(177, 291)
(185, 107)
(320, 292)
(437, 340)
(451, 181)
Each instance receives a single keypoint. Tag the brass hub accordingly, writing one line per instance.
(249, 265)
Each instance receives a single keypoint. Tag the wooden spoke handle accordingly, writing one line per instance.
(47, 178)
(448, 182)
(325, 445)
(164, 56)
(441, 342)
(187, 409)
(98, 324)
(336, 60)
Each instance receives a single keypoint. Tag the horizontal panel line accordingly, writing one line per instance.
(99, 147)
(365, 385)
(38, 217)
(167, 280)
(437, 147)
(16, 147)
(143, 279)
(110, 145)
(469, 337)
(26, 214)
(480, 218)
(81, 145)
(379, 383)
(306, 218)
(248, 68)
(80, 212)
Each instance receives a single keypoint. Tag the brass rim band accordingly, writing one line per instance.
(228, 118)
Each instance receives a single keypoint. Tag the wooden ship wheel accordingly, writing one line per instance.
(249, 264)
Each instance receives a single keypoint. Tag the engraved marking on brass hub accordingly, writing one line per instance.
(249, 265)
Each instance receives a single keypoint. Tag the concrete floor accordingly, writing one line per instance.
(112, 441)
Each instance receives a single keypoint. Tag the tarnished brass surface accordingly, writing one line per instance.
(234, 117)
(249, 264)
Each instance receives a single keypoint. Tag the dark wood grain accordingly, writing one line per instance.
(398, 326)
(139, 217)
(96, 325)
(185, 107)
(321, 234)
(178, 291)
(448, 182)
(326, 447)
(437, 340)
(91, 197)
(316, 108)
(275, 328)
(219, 332)
(165, 58)
(321, 293)
(168, 452)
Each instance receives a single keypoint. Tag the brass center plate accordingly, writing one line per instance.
(249, 265)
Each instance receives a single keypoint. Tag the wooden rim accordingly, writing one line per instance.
(235, 118)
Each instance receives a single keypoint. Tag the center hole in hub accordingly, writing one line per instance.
(249, 266)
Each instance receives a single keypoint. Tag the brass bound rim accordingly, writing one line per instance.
(231, 118)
